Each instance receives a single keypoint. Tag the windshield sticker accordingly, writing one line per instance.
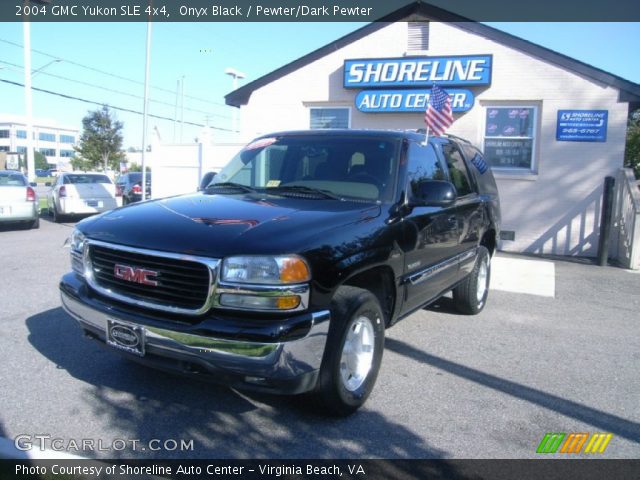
(263, 142)
(273, 183)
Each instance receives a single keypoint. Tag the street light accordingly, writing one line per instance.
(235, 74)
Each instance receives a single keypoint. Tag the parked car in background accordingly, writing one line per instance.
(18, 200)
(42, 173)
(81, 194)
(52, 172)
(130, 186)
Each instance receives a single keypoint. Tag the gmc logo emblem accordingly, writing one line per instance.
(135, 275)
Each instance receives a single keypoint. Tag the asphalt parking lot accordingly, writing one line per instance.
(450, 386)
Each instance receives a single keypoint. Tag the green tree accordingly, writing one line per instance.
(101, 142)
(632, 152)
(40, 161)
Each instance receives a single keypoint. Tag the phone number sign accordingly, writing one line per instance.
(582, 125)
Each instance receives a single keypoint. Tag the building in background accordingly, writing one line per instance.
(551, 127)
(55, 142)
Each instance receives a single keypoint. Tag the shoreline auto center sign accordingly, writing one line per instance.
(414, 74)
(582, 126)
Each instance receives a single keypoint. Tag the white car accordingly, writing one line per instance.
(81, 194)
(18, 200)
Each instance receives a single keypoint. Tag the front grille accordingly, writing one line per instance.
(181, 284)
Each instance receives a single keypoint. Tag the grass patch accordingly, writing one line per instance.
(42, 203)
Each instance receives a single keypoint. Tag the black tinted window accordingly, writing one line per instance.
(458, 174)
(423, 164)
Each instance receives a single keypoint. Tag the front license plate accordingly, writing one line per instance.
(124, 336)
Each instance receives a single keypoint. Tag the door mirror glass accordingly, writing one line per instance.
(434, 193)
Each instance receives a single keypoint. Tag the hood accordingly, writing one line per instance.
(222, 225)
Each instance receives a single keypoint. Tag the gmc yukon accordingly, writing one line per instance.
(283, 273)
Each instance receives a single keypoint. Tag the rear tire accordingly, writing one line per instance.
(470, 296)
(57, 218)
(353, 352)
(35, 223)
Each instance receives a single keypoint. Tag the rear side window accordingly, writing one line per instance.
(12, 180)
(423, 165)
(458, 174)
(79, 179)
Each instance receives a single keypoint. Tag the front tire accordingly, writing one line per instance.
(353, 353)
(470, 296)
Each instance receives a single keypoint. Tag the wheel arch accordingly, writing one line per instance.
(378, 280)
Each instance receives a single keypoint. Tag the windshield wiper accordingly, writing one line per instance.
(303, 189)
(239, 186)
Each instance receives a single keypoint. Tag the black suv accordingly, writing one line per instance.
(284, 272)
(130, 186)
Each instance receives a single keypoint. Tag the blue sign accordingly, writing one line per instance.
(418, 71)
(582, 125)
(415, 100)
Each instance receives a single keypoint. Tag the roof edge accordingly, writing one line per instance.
(417, 10)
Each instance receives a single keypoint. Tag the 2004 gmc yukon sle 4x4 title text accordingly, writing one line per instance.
(284, 272)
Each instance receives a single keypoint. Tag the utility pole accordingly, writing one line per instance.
(235, 74)
(28, 100)
(145, 108)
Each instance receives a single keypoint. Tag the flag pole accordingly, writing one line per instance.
(426, 136)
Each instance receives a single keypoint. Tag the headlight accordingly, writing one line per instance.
(265, 270)
(76, 242)
(264, 283)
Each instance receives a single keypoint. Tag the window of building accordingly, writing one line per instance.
(4, 148)
(509, 137)
(4, 133)
(22, 150)
(67, 139)
(418, 36)
(458, 174)
(21, 134)
(330, 117)
(48, 152)
(47, 137)
(67, 153)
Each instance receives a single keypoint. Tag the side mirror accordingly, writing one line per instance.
(206, 180)
(47, 184)
(434, 193)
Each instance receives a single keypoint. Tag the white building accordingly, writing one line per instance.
(552, 127)
(52, 140)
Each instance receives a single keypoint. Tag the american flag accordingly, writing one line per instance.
(439, 116)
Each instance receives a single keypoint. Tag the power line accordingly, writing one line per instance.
(103, 72)
(71, 97)
(80, 82)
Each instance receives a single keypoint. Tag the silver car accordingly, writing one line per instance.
(18, 200)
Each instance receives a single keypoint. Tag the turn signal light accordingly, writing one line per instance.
(294, 270)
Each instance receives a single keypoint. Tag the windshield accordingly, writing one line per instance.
(345, 167)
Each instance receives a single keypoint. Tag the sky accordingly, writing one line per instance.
(105, 63)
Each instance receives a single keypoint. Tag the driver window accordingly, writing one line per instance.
(422, 165)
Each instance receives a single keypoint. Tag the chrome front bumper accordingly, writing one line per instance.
(281, 367)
